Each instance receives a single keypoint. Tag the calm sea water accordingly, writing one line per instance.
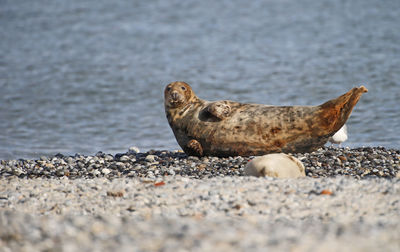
(85, 76)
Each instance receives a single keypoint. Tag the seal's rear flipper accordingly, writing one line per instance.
(334, 113)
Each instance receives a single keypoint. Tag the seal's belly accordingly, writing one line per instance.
(255, 126)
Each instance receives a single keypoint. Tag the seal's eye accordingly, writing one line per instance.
(168, 89)
(183, 88)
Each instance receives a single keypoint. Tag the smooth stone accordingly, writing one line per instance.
(133, 150)
(150, 158)
(108, 158)
(124, 158)
(96, 173)
(277, 165)
(105, 171)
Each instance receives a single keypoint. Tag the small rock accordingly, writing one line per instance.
(105, 171)
(116, 193)
(124, 158)
(96, 172)
(120, 165)
(133, 150)
(150, 158)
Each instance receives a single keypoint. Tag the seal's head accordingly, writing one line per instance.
(177, 94)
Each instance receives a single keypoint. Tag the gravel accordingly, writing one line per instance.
(166, 201)
(326, 162)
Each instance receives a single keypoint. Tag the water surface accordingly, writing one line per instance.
(88, 76)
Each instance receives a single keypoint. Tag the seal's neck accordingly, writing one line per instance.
(174, 114)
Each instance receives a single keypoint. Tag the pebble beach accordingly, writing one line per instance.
(83, 76)
(167, 201)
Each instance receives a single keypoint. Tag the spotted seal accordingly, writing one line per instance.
(228, 128)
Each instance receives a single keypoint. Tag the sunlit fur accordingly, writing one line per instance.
(206, 128)
(177, 94)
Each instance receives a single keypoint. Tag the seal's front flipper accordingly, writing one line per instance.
(193, 148)
(219, 109)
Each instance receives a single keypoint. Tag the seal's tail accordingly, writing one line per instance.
(334, 113)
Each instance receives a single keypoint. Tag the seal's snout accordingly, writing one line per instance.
(175, 95)
(174, 98)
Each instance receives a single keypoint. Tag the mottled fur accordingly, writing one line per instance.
(227, 128)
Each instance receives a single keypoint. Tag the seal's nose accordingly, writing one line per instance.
(175, 95)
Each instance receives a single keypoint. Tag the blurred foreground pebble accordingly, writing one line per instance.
(185, 214)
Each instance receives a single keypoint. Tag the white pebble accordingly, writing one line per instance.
(150, 158)
(105, 171)
(133, 150)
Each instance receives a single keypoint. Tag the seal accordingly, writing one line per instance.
(277, 165)
(227, 128)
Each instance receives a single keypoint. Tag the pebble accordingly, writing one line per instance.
(133, 150)
(150, 158)
(105, 171)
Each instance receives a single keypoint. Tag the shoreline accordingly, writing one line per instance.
(325, 162)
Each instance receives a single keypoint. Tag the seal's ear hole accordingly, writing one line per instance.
(183, 88)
